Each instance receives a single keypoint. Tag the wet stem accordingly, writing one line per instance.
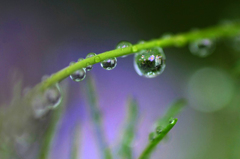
(178, 40)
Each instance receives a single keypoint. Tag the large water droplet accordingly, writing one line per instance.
(122, 45)
(53, 96)
(150, 63)
(89, 67)
(39, 106)
(42, 102)
(109, 64)
(78, 75)
(202, 48)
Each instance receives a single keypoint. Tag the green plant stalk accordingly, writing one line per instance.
(75, 143)
(152, 145)
(97, 119)
(174, 109)
(50, 133)
(179, 40)
(129, 131)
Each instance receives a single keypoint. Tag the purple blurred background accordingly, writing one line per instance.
(42, 37)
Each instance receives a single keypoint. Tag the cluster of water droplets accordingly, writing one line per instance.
(159, 130)
(43, 102)
(80, 74)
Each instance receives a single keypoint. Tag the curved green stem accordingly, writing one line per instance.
(178, 40)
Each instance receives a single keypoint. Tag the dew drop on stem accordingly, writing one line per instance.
(151, 136)
(159, 129)
(89, 67)
(109, 64)
(122, 45)
(78, 75)
(150, 63)
(202, 48)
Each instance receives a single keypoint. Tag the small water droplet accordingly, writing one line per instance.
(109, 64)
(151, 136)
(150, 63)
(53, 96)
(97, 59)
(134, 49)
(171, 121)
(89, 67)
(141, 42)
(202, 48)
(78, 75)
(44, 77)
(122, 45)
(167, 35)
(159, 130)
(80, 59)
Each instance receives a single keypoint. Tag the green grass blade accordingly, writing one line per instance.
(75, 142)
(153, 143)
(97, 118)
(129, 129)
(174, 109)
(50, 132)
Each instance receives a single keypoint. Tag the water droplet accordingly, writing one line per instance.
(97, 59)
(53, 96)
(150, 63)
(122, 45)
(151, 136)
(78, 75)
(44, 77)
(89, 67)
(43, 102)
(80, 59)
(134, 49)
(159, 129)
(171, 121)
(109, 64)
(202, 48)
(167, 35)
(141, 42)
(39, 106)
